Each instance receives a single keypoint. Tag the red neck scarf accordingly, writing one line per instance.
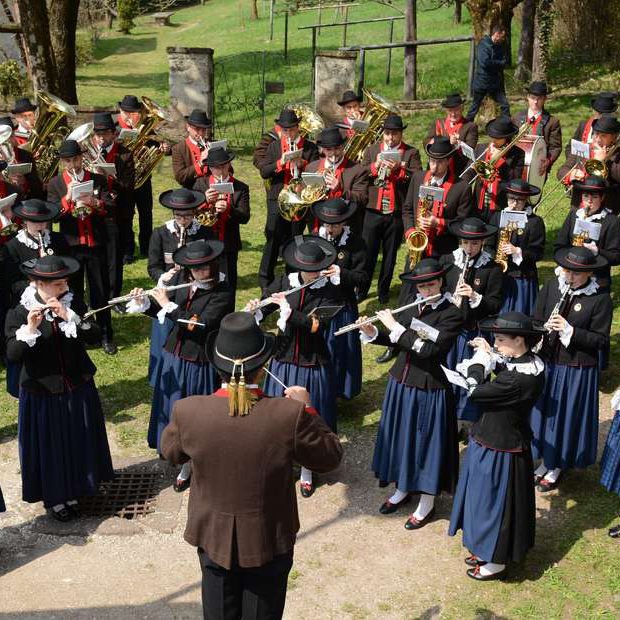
(86, 234)
(194, 149)
(536, 129)
(586, 136)
(389, 191)
(220, 226)
(284, 148)
(438, 207)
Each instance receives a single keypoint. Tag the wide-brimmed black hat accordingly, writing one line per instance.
(471, 228)
(35, 210)
(440, 148)
(519, 188)
(103, 121)
(512, 323)
(333, 210)
(349, 96)
(605, 103)
(308, 253)
(181, 199)
(394, 122)
(501, 127)
(50, 267)
(452, 100)
(579, 258)
(7, 120)
(218, 157)
(330, 137)
(606, 124)
(199, 118)
(592, 185)
(426, 270)
(23, 105)
(130, 103)
(197, 253)
(287, 119)
(239, 340)
(540, 89)
(69, 148)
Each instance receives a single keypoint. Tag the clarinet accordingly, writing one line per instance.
(551, 340)
(42, 251)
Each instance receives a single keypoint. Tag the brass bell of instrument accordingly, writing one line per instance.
(416, 242)
(310, 122)
(207, 217)
(596, 168)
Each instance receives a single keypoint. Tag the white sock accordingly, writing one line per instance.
(553, 475)
(541, 470)
(427, 502)
(186, 471)
(306, 475)
(490, 568)
(72, 502)
(398, 497)
(58, 507)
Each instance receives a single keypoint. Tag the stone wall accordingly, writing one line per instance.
(334, 72)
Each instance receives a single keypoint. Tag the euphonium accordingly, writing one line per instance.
(83, 135)
(417, 240)
(376, 111)
(310, 122)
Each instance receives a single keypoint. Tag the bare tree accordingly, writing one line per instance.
(525, 55)
(484, 13)
(542, 39)
(409, 87)
(63, 15)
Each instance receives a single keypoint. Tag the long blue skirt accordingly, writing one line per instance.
(318, 380)
(159, 335)
(416, 445)
(13, 372)
(346, 353)
(520, 295)
(494, 504)
(565, 419)
(63, 446)
(176, 378)
(460, 350)
(2, 504)
(610, 461)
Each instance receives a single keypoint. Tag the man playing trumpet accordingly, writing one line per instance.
(189, 156)
(351, 105)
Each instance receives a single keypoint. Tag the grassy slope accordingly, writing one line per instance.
(575, 569)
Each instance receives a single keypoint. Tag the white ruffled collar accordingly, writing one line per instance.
(460, 258)
(589, 289)
(294, 280)
(532, 367)
(192, 229)
(599, 215)
(436, 303)
(207, 286)
(344, 237)
(528, 210)
(31, 243)
(30, 301)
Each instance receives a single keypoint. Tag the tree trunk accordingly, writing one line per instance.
(542, 40)
(63, 16)
(36, 32)
(409, 87)
(458, 11)
(253, 9)
(523, 71)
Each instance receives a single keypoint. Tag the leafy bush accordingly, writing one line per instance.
(127, 10)
(12, 80)
(83, 49)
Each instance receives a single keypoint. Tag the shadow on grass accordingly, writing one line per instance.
(123, 45)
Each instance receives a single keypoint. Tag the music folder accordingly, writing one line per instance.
(223, 188)
(19, 169)
(325, 313)
(360, 126)
(81, 190)
(108, 170)
(290, 155)
(126, 135)
(313, 179)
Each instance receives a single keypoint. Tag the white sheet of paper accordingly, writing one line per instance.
(19, 169)
(423, 329)
(391, 155)
(292, 154)
(82, 189)
(509, 217)
(455, 378)
(592, 229)
(579, 149)
(107, 170)
(467, 151)
(428, 190)
(222, 188)
(218, 144)
(9, 201)
(360, 126)
(314, 179)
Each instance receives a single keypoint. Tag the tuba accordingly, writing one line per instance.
(47, 133)
(417, 240)
(293, 207)
(377, 110)
(145, 147)
(310, 122)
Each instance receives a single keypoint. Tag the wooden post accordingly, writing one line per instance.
(320, 14)
(285, 36)
(344, 31)
(389, 54)
(362, 69)
(410, 86)
(472, 67)
(272, 10)
(313, 55)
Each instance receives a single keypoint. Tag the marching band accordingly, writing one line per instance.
(477, 346)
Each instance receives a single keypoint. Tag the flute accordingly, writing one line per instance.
(151, 291)
(373, 319)
(269, 301)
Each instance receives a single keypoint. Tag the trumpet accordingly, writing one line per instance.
(373, 319)
(598, 167)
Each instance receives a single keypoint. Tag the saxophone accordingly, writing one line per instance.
(417, 239)
(504, 235)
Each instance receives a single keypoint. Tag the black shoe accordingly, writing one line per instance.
(389, 354)
(544, 486)
(474, 560)
(383, 484)
(120, 309)
(474, 573)
(614, 532)
(181, 485)
(109, 347)
(306, 489)
(128, 260)
(387, 508)
(415, 524)
(74, 509)
(63, 515)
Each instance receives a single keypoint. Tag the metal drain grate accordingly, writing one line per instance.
(130, 495)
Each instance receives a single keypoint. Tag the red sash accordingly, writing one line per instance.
(446, 128)
(123, 123)
(438, 209)
(586, 136)
(19, 140)
(350, 132)
(110, 158)
(196, 154)
(287, 166)
(86, 234)
(220, 226)
(490, 187)
(389, 191)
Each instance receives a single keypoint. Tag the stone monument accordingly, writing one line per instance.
(334, 72)
(191, 79)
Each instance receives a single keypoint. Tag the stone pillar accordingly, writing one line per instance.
(334, 72)
(191, 79)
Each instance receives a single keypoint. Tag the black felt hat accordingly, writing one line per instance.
(426, 270)
(330, 137)
(239, 340)
(23, 105)
(395, 122)
(514, 324)
(501, 127)
(592, 185)
(50, 267)
(197, 253)
(606, 124)
(35, 210)
(69, 148)
(519, 188)
(452, 101)
(287, 119)
(348, 96)
(579, 258)
(605, 103)
(218, 157)
(471, 228)
(181, 199)
(333, 210)
(199, 118)
(7, 120)
(130, 103)
(308, 253)
(540, 89)
(440, 148)
(103, 121)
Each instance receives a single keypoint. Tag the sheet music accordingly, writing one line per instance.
(428, 190)
(579, 149)
(80, 190)
(455, 378)
(424, 330)
(592, 229)
(513, 217)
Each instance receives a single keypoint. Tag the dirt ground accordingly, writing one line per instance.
(350, 561)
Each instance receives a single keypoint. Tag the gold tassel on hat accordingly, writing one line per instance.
(246, 398)
(233, 396)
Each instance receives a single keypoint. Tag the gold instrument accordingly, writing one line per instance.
(310, 122)
(417, 240)
(377, 110)
(598, 167)
(83, 135)
(580, 239)
(146, 146)
(48, 133)
(487, 170)
(501, 258)
(293, 206)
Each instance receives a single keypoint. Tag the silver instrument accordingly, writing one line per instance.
(268, 301)
(458, 299)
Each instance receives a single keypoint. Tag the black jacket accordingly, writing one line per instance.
(55, 364)
(423, 369)
(506, 403)
(590, 316)
(490, 62)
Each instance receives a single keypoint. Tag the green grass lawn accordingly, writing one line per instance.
(574, 571)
